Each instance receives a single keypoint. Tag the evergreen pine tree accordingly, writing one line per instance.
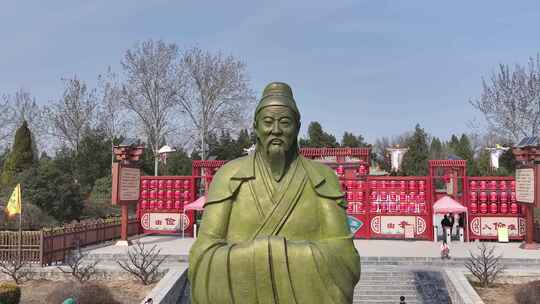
(317, 138)
(415, 161)
(21, 156)
(465, 151)
(436, 149)
(352, 141)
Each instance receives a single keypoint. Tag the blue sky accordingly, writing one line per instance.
(375, 68)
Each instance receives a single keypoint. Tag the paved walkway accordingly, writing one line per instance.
(176, 245)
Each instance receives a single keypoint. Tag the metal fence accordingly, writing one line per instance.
(50, 246)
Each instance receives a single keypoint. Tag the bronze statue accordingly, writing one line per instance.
(274, 228)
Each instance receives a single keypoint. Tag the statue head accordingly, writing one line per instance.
(277, 123)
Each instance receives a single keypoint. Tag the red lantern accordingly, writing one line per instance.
(362, 170)
(153, 194)
(177, 204)
(161, 194)
(473, 197)
(483, 208)
(159, 204)
(340, 171)
(153, 184)
(422, 185)
(144, 184)
(161, 184)
(178, 184)
(393, 184)
(493, 208)
(504, 207)
(177, 195)
(187, 184)
(421, 196)
(493, 196)
(169, 184)
(502, 185)
(473, 185)
(152, 204)
(144, 194)
(513, 185)
(504, 197)
(483, 197)
(144, 204)
(412, 185)
(374, 207)
(514, 208)
(493, 185)
(513, 197)
(412, 196)
(483, 185)
(169, 205)
(402, 185)
(474, 208)
(403, 207)
(187, 195)
(169, 195)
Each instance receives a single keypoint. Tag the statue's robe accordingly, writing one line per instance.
(266, 242)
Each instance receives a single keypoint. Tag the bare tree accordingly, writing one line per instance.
(112, 116)
(143, 263)
(215, 93)
(510, 100)
(485, 265)
(74, 114)
(78, 269)
(18, 271)
(151, 89)
(20, 107)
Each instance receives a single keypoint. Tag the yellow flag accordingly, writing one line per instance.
(14, 204)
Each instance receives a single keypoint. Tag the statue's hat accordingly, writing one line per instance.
(277, 94)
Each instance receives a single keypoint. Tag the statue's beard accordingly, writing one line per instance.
(277, 160)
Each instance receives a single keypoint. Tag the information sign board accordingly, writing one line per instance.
(129, 182)
(126, 182)
(525, 185)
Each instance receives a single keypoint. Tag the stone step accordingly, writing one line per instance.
(410, 298)
(387, 293)
(381, 287)
(385, 302)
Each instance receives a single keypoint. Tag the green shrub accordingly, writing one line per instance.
(89, 293)
(528, 293)
(10, 293)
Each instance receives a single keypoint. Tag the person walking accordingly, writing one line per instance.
(451, 220)
(445, 223)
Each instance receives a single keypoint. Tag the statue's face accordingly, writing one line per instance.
(276, 128)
